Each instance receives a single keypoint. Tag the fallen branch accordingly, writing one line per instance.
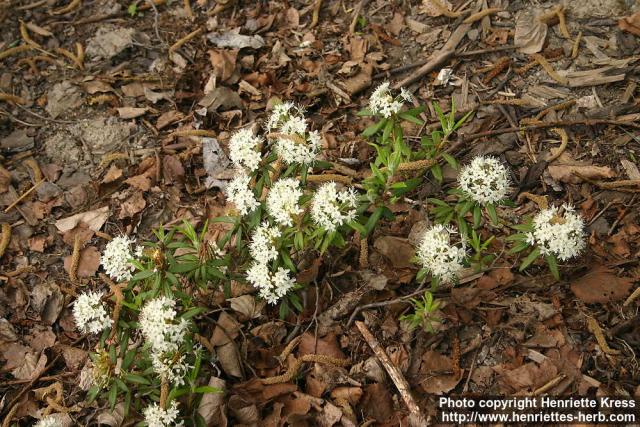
(416, 418)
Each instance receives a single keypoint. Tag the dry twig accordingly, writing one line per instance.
(177, 45)
(416, 418)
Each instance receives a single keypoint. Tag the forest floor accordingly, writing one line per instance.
(95, 115)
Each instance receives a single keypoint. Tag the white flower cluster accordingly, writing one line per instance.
(383, 103)
(244, 150)
(159, 326)
(174, 371)
(297, 144)
(165, 334)
(90, 314)
(116, 256)
(484, 180)
(262, 247)
(438, 255)
(558, 234)
(241, 195)
(155, 416)
(282, 200)
(271, 286)
(49, 421)
(331, 208)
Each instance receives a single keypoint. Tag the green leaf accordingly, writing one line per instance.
(436, 170)
(225, 219)
(491, 210)
(387, 131)
(523, 227)
(408, 117)
(207, 389)
(113, 394)
(295, 301)
(518, 248)
(192, 312)
(553, 266)
(93, 393)
(132, 9)
(143, 275)
(358, 227)
(477, 216)
(373, 220)
(287, 261)
(364, 112)
(136, 379)
(530, 259)
(451, 160)
(375, 128)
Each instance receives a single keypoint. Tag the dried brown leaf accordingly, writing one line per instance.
(600, 285)
(89, 262)
(530, 33)
(94, 219)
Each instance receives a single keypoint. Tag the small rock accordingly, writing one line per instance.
(109, 41)
(473, 34)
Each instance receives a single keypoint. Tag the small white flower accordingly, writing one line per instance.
(90, 314)
(282, 200)
(436, 253)
(272, 287)
(173, 371)
(383, 103)
(331, 208)
(241, 195)
(297, 145)
(303, 149)
(49, 421)
(155, 416)
(485, 180)
(262, 247)
(116, 256)
(280, 113)
(244, 150)
(558, 234)
(160, 326)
